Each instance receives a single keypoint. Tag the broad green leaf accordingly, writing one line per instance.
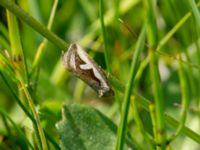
(85, 128)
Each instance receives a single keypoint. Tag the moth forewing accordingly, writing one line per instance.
(79, 63)
(69, 58)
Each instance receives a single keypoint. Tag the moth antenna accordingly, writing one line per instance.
(127, 27)
(134, 35)
(156, 51)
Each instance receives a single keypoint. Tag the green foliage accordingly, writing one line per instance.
(149, 50)
(83, 127)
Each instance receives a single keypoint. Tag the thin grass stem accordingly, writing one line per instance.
(160, 135)
(5, 115)
(10, 5)
(185, 101)
(36, 116)
(121, 133)
(41, 47)
(106, 51)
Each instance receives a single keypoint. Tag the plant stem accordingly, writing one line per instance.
(159, 106)
(5, 124)
(17, 57)
(5, 115)
(153, 119)
(106, 52)
(41, 47)
(144, 103)
(180, 23)
(19, 67)
(147, 137)
(125, 106)
(36, 117)
(10, 5)
(25, 109)
(195, 12)
(17, 98)
(185, 98)
(157, 91)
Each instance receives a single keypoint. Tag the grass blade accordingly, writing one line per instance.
(125, 106)
(106, 52)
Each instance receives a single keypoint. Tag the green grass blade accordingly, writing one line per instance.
(185, 101)
(16, 97)
(3, 112)
(195, 12)
(106, 52)
(147, 137)
(40, 50)
(16, 47)
(159, 122)
(144, 103)
(9, 4)
(3, 30)
(21, 70)
(36, 116)
(25, 109)
(121, 136)
(179, 24)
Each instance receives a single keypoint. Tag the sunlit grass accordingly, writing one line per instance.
(149, 51)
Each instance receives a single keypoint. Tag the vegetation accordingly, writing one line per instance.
(149, 51)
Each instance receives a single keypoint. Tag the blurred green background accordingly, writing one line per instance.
(77, 21)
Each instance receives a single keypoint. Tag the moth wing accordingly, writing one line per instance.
(69, 57)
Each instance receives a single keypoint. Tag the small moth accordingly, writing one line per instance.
(77, 61)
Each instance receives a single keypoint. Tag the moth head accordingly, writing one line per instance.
(108, 92)
(68, 57)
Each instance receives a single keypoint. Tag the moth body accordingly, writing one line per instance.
(77, 61)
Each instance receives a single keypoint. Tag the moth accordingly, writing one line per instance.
(77, 61)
